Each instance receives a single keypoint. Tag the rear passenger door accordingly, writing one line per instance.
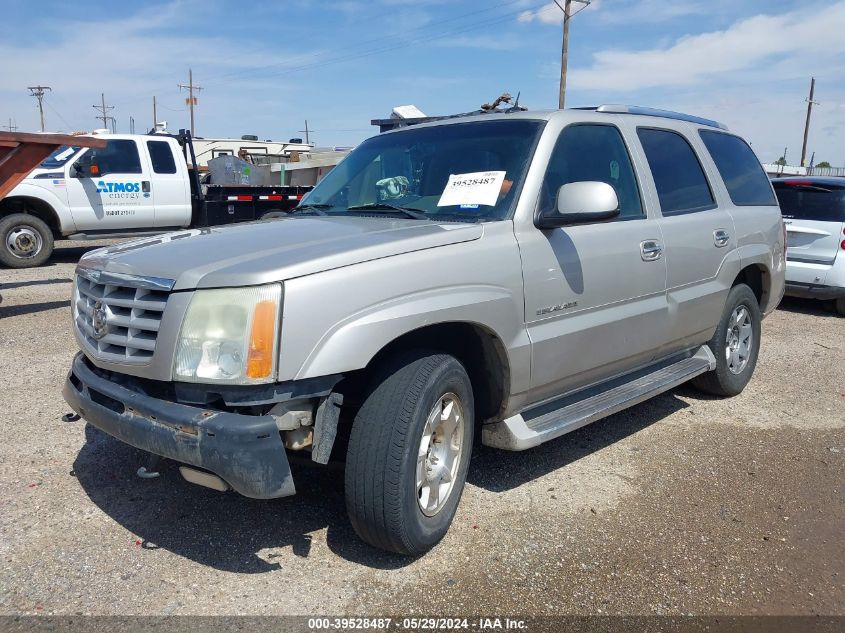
(698, 236)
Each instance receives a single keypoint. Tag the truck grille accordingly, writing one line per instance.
(119, 322)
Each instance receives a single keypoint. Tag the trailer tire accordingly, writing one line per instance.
(273, 214)
(25, 241)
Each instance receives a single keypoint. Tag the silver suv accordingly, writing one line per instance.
(505, 278)
(814, 213)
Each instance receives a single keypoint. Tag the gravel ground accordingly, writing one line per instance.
(684, 504)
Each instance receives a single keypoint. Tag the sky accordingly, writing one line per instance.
(267, 67)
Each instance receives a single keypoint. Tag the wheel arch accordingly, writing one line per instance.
(32, 205)
(479, 349)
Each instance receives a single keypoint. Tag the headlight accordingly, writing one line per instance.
(230, 336)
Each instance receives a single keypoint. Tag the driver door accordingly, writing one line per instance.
(595, 293)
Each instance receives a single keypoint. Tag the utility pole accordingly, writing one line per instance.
(132, 125)
(564, 49)
(306, 131)
(191, 101)
(38, 93)
(155, 116)
(810, 104)
(104, 112)
(10, 127)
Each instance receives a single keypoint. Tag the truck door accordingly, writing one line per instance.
(595, 294)
(170, 187)
(109, 188)
(699, 235)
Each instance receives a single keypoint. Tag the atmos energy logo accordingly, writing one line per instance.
(116, 190)
(118, 187)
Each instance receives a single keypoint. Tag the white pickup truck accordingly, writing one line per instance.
(137, 185)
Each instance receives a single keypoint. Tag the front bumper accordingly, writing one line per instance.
(245, 451)
(812, 291)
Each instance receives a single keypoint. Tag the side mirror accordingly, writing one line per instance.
(581, 202)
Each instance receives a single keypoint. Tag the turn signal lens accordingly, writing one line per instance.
(262, 341)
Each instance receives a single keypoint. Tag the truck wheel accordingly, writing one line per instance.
(25, 241)
(839, 305)
(273, 215)
(409, 452)
(735, 345)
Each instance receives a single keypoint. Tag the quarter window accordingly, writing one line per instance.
(744, 177)
(161, 157)
(680, 181)
(586, 152)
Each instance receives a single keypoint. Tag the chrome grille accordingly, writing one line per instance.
(118, 321)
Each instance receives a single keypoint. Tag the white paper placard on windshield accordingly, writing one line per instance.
(481, 187)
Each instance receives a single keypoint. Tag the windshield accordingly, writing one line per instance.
(60, 156)
(465, 171)
(808, 200)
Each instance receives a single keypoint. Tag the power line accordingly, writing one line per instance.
(104, 112)
(399, 36)
(400, 41)
(191, 100)
(58, 114)
(10, 127)
(38, 93)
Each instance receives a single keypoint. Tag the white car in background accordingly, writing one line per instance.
(813, 211)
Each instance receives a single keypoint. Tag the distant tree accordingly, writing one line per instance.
(780, 161)
(824, 163)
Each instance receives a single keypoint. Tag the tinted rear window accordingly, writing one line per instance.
(681, 184)
(744, 177)
(820, 202)
(161, 157)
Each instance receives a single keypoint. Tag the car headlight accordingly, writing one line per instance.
(230, 336)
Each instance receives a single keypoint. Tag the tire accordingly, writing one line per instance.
(384, 499)
(839, 306)
(733, 370)
(273, 214)
(25, 241)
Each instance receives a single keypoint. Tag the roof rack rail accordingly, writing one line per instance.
(643, 111)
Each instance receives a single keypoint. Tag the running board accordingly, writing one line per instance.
(541, 424)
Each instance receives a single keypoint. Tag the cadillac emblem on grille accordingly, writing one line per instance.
(98, 320)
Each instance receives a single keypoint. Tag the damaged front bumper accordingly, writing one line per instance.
(246, 451)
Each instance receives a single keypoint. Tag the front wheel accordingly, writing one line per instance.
(25, 241)
(409, 452)
(735, 345)
(839, 306)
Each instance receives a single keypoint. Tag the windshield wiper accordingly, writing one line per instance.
(416, 214)
(317, 208)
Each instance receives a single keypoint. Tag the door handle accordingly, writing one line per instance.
(650, 250)
(721, 238)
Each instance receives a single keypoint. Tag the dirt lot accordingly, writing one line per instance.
(684, 504)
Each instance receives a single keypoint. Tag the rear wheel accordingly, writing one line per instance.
(273, 214)
(735, 345)
(25, 241)
(409, 452)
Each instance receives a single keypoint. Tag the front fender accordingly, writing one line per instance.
(337, 321)
(37, 196)
(354, 342)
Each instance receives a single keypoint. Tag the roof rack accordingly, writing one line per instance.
(668, 114)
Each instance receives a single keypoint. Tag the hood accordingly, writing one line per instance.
(264, 252)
